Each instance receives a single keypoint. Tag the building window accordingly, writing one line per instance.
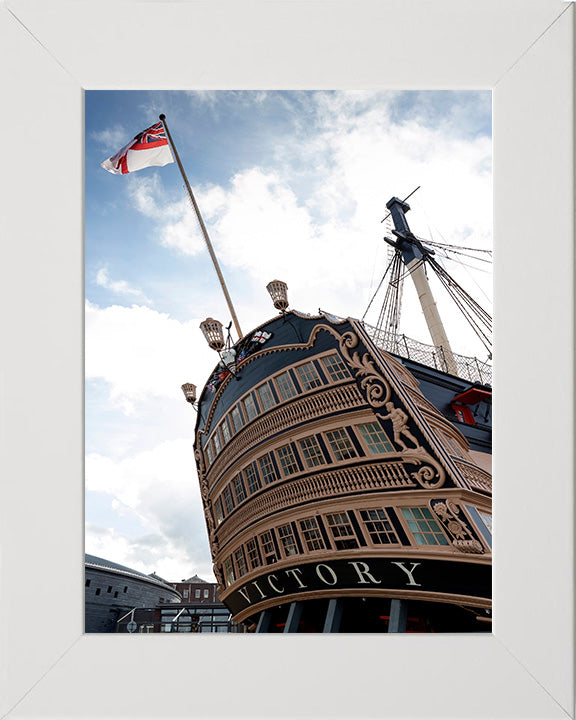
(206, 594)
(266, 397)
(209, 453)
(185, 594)
(197, 593)
(309, 377)
(250, 407)
(424, 527)
(267, 470)
(285, 386)
(116, 593)
(254, 558)
(455, 449)
(486, 519)
(341, 444)
(109, 588)
(375, 438)
(311, 451)
(268, 548)
(216, 442)
(228, 573)
(240, 561)
(287, 460)
(239, 489)
(87, 583)
(225, 429)
(287, 540)
(218, 511)
(342, 531)
(252, 479)
(228, 499)
(311, 534)
(97, 591)
(378, 526)
(335, 368)
(237, 419)
(125, 588)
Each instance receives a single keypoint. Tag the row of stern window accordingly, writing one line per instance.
(337, 531)
(337, 445)
(287, 384)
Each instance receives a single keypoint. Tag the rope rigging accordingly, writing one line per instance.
(389, 319)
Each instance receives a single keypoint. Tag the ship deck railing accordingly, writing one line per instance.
(468, 368)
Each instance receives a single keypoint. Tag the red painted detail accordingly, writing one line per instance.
(463, 414)
(472, 396)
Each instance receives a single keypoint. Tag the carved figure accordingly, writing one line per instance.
(399, 425)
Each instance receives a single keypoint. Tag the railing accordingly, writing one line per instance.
(328, 400)
(468, 368)
(332, 483)
(479, 479)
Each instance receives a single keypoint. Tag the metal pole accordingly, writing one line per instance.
(203, 228)
(293, 619)
(431, 314)
(333, 616)
(263, 622)
(398, 616)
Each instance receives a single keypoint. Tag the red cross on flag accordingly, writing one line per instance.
(261, 336)
(149, 148)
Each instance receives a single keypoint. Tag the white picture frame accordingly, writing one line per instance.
(51, 52)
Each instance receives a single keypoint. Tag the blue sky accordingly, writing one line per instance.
(290, 185)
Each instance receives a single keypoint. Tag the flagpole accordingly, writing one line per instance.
(204, 231)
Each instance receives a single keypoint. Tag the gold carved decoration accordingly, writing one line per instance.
(462, 537)
(206, 504)
(378, 393)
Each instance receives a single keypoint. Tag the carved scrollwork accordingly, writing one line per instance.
(378, 393)
(468, 546)
(462, 537)
(431, 474)
(218, 575)
(374, 385)
(204, 493)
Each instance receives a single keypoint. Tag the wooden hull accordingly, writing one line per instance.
(331, 484)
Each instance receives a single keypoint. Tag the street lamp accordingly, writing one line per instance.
(214, 333)
(189, 391)
(279, 293)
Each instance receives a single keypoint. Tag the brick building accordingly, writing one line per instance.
(196, 590)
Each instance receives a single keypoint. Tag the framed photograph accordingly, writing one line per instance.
(51, 54)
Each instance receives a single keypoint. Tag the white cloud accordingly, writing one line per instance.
(177, 224)
(143, 354)
(147, 553)
(310, 216)
(160, 487)
(313, 215)
(113, 138)
(121, 287)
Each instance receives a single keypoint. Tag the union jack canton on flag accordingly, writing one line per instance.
(149, 148)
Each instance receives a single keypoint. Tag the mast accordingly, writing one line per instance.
(204, 231)
(413, 255)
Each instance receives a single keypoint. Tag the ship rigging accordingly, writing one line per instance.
(410, 256)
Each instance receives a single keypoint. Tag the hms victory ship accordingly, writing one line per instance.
(345, 470)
